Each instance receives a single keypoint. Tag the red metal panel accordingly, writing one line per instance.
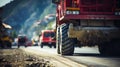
(100, 17)
(91, 9)
(97, 6)
(68, 3)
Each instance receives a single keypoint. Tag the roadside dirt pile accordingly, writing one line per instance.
(18, 58)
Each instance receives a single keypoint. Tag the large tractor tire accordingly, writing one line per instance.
(41, 45)
(115, 47)
(103, 48)
(66, 44)
(111, 48)
(9, 44)
(6, 44)
(58, 40)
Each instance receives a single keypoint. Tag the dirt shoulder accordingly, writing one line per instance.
(19, 58)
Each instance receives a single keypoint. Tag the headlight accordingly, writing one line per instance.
(68, 12)
(75, 12)
(117, 13)
(72, 12)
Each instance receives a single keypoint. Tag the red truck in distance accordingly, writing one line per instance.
(47, 38)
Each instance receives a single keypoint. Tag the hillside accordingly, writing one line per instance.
(23, 14)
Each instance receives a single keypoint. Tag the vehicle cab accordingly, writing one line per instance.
(47, 37)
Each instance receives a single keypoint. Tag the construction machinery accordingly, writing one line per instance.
(5, 37)
(88, 23)
(5, 33)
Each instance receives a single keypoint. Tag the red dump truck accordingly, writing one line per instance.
(88, 23)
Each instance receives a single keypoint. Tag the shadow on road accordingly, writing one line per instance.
(86, 54)
(96, 55)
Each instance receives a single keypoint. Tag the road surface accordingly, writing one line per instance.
(87, 56)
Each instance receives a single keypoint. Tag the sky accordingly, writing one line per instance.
(4, 2)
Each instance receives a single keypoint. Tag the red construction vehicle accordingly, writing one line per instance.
(88, 23)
